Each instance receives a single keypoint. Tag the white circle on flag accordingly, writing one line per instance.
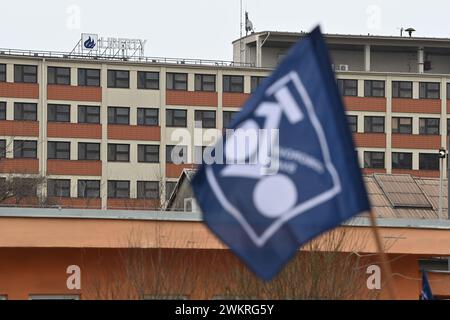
(275, 195)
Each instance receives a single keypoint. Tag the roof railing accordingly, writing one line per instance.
(148, 60)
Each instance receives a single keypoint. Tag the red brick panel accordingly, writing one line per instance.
(234, 99)
(448, 106)
(25, 166)
(19, 128)
(21, 202)
(416, 105)
(74, 93)
(175, 170)
(80, 203)
(19, 90)
(143, 133)
(74, 130)
(74, 168)
(133, 204)
(372, 171)
(365, 104)
(418, 173)
(415, 141)
(370, 140)
(191, 98)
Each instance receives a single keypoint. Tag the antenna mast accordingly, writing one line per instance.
(240, 32)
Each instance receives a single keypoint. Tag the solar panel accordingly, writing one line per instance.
(402, 191)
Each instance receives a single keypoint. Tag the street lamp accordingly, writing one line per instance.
(442, 156)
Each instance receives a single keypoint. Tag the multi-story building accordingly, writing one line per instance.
(100, 128)
(396, 91)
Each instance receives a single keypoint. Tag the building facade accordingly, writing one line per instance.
(101, 129)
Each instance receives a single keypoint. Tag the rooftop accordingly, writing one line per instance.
(102, 58)
(334, 36)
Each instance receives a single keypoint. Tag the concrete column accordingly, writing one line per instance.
(367, 58)
(163, 142)
(104, 143)
(42, 118)
(416, 90)
(421, 59)
(258, 52)
(388, 125)
(443, 125)
(360, 88)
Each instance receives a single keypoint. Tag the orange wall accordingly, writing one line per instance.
(35, 253)
(205, 273)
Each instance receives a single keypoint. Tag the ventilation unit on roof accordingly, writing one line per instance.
(343, 67)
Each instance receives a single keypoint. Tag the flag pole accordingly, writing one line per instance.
(386, 266)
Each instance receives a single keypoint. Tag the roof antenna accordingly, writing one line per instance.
(248, 25)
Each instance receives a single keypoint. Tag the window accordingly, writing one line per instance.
(147, 117)
(233, 84)
(2, 72)
(176, 118)
(25, 74)
(429, 126)
(119, 152)
(373, 160)
(401, 160)
(429, 90)
(118, 189)
(54, 297)
(2, 149)
(25, 111)
(58, 75)
(170, 186)
(428, 161)
(88, 114)
(205, 82)
(2, 110)
(58, 113)
(402, 125)
(88, 151)
(148, 80)
(148, 153)
(177, 81)
(353, 123)
(348, 87)
(118, 79)
(228, 117)
(147, 190)
(448, 91)
(255, 83)
(374, 124)
(89, 77)
(88, 189)
(374, 88)
(118, 115)
(176, 154)
(207, 118)
(25, 149)
(402, 89)
(58, 150)
(58, 188)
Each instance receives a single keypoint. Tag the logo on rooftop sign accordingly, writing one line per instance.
(89, 41)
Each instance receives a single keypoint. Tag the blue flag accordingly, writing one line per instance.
(426, 293)
(288, 170)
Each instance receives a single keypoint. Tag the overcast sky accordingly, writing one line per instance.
(206, 28)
